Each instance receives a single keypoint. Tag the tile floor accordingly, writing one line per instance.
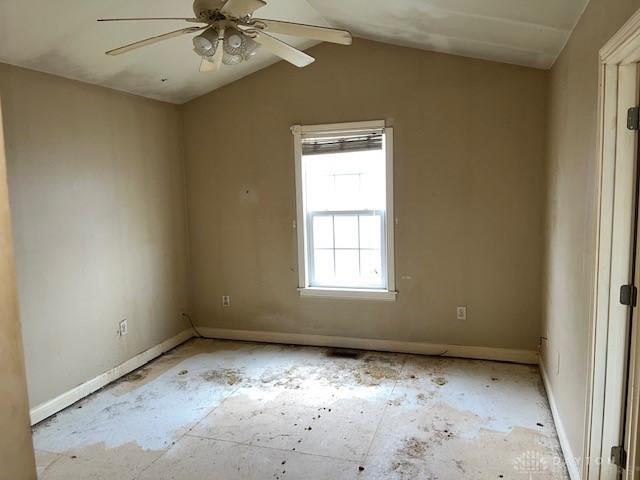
(232, 410)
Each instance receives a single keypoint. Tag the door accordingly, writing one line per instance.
(631, 432)
(623, 278)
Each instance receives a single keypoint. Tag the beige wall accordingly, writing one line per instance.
(469, 154)
(16, 451)
(97, 194)
(570, 237)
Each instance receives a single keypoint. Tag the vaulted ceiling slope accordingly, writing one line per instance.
(62, 37)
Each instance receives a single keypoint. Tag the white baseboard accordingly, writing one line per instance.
(54, 405)
(420, 348)
(45, 410)
(569, 457)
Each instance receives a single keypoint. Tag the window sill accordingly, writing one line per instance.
(348, 294)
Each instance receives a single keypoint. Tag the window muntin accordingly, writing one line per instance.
(346, 249)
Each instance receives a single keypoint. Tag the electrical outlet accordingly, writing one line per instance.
(226, 301)
(123, 328)
(461, 313)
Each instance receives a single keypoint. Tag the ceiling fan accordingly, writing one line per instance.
(231, 35)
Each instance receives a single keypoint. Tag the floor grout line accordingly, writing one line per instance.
(190, 429)
(176, 441)
(384, 411)
(284, 450)
(233, 392)
(255, 347)
(44, 470)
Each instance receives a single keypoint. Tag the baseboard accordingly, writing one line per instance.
(420, 348)
(53, 406)
(569, 457)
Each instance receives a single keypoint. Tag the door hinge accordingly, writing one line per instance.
(633, 118)
(619, 457)
(628, 295)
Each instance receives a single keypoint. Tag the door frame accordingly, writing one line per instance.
(622, 49)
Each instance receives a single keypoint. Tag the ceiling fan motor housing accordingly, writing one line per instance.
(208, 9)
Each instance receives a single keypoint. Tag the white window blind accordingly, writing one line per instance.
(352, 143)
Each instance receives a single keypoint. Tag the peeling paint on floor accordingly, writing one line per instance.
(235, 410)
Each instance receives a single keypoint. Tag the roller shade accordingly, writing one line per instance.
(353, 143)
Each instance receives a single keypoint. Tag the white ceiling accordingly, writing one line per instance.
(523, 32)
(62, 36)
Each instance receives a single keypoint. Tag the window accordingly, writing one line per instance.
(344, 184)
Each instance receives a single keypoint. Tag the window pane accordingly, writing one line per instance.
(345, 181)
(371, 263)
(322, 232)
(347, 268)
(347, 190)
(370, 231)
(323, 267)
(346, 231)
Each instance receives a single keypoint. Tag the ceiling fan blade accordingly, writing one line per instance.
(206, 66)
(324, 34)
(216, 61)
(157, 38)
(241, 8)
(283, 50)
(195, 20)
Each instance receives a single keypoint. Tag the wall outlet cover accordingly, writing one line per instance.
(461, 313)
(226, 301)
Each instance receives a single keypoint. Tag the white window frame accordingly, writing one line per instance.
(385, 294)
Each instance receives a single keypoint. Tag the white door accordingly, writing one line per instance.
(623, 247)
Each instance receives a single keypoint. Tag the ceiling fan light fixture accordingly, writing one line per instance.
(234, 42)
(251, 48)
(231, 59)
(206, 43)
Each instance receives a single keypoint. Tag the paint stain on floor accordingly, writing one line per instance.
(234, 410)
(228, 376)
(136, 376)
